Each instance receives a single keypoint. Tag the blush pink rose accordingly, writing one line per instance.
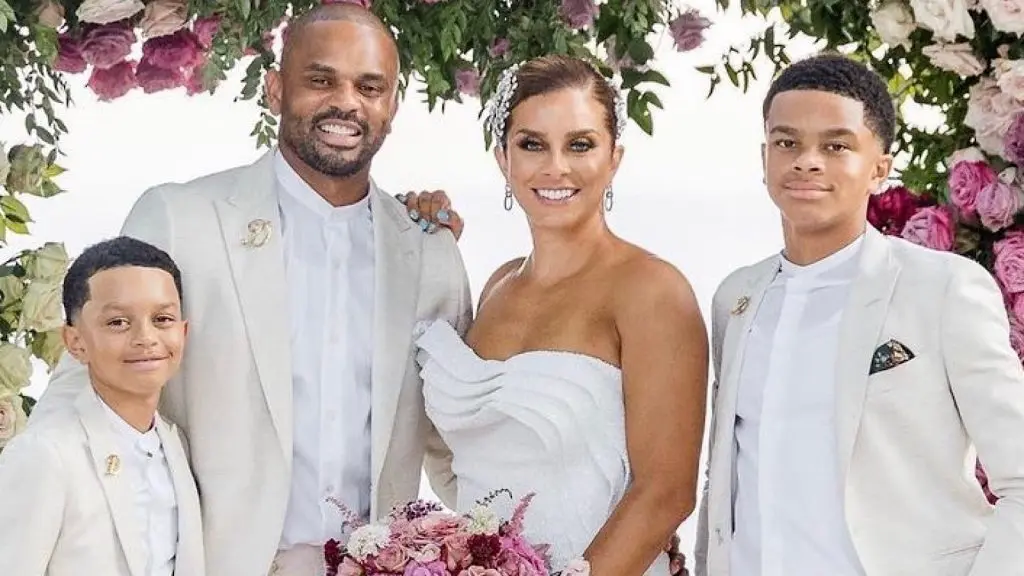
(69, 56)
(1009, 261)
(1016, 307)
(457, 553)
(687, 30)
(114, 82)
(998, 204)
(499, 47)
(479, 571)
(932, 227)
(467, 81)
(349, 567)
(173, 51)
(108, 45)
(427, 553)
(429, 569)
(392, 559)
(437, 526)
(578, 13)
(153, 78)
(205, 30)
(966, 181)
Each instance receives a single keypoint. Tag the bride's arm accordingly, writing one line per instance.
(664, 356)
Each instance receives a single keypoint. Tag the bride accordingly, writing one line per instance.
(583, 377)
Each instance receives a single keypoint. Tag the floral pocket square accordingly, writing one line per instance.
(890, 355)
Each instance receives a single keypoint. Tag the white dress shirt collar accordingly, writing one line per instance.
(307, 197)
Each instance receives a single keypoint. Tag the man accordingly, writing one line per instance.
(855, 373)
(304, 283)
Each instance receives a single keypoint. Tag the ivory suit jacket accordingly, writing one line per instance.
(63, 514)
(906, 436)
(233, 396)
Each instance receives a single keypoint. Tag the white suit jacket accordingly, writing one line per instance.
(233, 396)
(907, 435)
(61, 514)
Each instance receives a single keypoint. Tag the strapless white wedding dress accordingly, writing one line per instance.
(546, 422)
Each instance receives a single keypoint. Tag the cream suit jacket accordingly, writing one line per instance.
(906, 436)
(62, 514)
(233, 397)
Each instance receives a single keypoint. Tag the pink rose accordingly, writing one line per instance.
(69, 56)
(1017, 338)
(467, 81)
(990, 112)
(429, 569)
(174, 51)
(113, 82)
(153, 78)
(1006, 15)
(205, 30)
(1016, 307)
(687, 30)
(1009, 261)
(998, 204)
(456, 549)
(966, 181)
(526, 553)
(932, 227)
(479, 571)
(1013, 141)
(499, 47)
(436, 526)
(392, 558)
(195, 83)
(426, 554)
(578, 13)
(508, 562)
(108, 45)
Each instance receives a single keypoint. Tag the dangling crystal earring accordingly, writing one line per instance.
(508, 196)
(608, 199)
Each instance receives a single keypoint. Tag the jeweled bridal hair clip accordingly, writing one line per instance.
(497, 109)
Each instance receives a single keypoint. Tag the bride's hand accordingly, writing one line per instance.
(431, 210)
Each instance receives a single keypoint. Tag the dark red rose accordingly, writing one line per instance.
(889, 211)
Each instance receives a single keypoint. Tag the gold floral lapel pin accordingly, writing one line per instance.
(113, 465)
(741, 305)
(258, 233)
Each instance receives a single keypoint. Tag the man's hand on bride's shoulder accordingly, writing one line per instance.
(431, 211)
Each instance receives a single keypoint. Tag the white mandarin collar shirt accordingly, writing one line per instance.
(787, 497)
(156, 505)
(329, 262)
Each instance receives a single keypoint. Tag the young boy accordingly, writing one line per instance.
(104, 487)
(857, 374)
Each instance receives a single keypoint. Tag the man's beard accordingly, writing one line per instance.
(300, 136)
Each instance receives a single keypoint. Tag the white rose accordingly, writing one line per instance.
(894, 22)
(12, 417)
(42, 308)
(989, 113)
(12, 289)
(15, 367)
(47, 263)
(107, 11)
(1009, 75)
(483, 520)
(1006, 15)
(958, 58)
(972, 154)
(946, 18)
(48, 347)
(368, 540)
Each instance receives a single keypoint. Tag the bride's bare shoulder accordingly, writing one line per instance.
(645, 280)
(499, 276)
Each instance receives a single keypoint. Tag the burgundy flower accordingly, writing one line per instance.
(107, 45)
(69, 55)
(333, 555)
(113, 82)
(579, 13)
(484, 548)
(687, 30)
(467, 81)
(173, 51)
(979, 473)
(152, 78)
(889, 211)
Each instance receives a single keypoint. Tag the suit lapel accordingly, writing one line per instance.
(859, 332)
(396, 279)
(189, 556)
(740, 320)
(260, 281)
(109, 463)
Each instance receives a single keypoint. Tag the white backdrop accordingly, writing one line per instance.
(692, 193)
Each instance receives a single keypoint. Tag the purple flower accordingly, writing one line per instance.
(174, 51)
(499, 47)
(579, 13)
(998, 204)
(966, 181)
(431, 569)
(687, 30)
(1013, 141)
(467, 81)
(107, 45)
(113, 82)
(932, 227)
(153, 78)
(69, 56)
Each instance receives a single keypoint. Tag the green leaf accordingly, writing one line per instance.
(656, 77)
(7, 16)
(652, 99)
(16, 227)
(46, 42)
(53, 170)
(14, 209)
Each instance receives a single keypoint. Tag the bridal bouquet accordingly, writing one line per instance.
(422, 539)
